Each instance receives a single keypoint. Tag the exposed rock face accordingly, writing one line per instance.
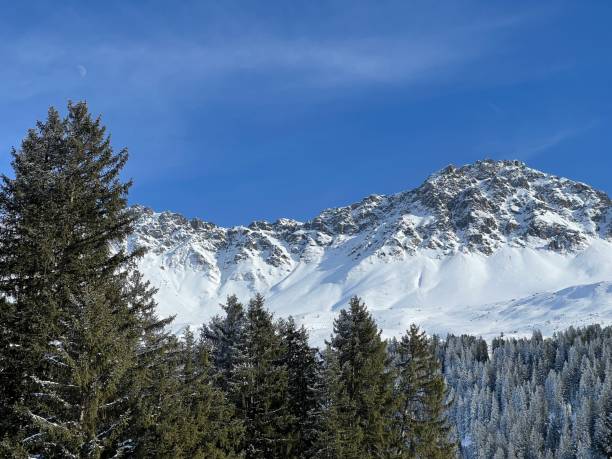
(472, 236)
(474, 208)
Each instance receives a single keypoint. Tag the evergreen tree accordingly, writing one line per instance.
(305, 390)
(259, 385)
(604, 433)
(22, 239)
(73, 320)
(225, 337)
(422, 394)
(567, 445)
(360, 419)
(190, 417)
(528, 400)
(603, 426)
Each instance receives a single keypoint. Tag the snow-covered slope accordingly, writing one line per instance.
(452, 255)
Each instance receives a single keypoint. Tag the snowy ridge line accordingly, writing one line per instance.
(479, 234)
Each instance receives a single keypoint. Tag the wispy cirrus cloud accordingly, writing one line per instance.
(307, 63)
(526, 145)
(38, 63)
(540, 145)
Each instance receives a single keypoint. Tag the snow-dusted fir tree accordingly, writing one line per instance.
(603, 423)
(224, 337)
(23, 238)
(534, 397)
(74, 324)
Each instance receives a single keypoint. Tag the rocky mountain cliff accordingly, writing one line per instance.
(478, 213)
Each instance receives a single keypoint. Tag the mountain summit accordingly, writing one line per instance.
(487, 232)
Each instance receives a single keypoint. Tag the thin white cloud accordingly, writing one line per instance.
(540, 145)
(409, 56)
(310, 63)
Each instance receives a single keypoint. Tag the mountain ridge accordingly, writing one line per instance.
(475, 211)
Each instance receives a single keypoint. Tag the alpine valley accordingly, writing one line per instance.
(488, 248)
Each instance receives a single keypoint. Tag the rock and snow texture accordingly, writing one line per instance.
(486, 248)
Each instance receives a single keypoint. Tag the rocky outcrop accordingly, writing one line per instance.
(475, 208)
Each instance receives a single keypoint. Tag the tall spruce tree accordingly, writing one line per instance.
(305, 391)
(74, 310)
(22, 235)
(360, 419)
(421, 391)
(224, 336)
(191, 417)
(258, 386)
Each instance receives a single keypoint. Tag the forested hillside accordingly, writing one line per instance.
(532, 398)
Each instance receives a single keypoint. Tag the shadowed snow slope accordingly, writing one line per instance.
(473, 249)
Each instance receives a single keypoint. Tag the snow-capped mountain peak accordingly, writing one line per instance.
(477, 213)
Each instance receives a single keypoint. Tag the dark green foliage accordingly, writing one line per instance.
(74, 310)
(10, 448)
(360, 418)
(12, 369)
(258, 386)
(86, 367)
(421, 393)
(305, 390)
(25, 252)
(225, 337)
(189, 417)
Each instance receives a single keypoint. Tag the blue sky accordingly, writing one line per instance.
(236, 111)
